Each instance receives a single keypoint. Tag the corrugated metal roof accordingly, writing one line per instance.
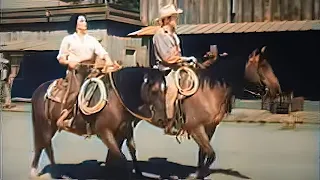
(246, 27)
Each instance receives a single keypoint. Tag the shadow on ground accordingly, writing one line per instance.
(154, 168)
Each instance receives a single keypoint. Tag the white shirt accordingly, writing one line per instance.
(81, 50)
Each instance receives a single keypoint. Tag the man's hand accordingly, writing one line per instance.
(72, 64)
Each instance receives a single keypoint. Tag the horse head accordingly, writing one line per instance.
(153, 91)
(259, 71)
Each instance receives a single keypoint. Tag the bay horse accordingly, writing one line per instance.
(125, 102)
(219, 78)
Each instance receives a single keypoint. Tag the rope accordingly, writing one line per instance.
(191, 76)
(251, 92)
(83, 104)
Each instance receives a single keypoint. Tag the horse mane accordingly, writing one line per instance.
(227, 70)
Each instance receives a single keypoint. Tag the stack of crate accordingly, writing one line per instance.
(281, 105)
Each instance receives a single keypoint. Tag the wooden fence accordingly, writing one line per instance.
(125, 49)
(218, 11)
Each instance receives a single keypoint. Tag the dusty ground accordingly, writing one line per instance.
(244, 151)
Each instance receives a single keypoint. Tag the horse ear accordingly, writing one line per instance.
(145, 78)
(254, 56)
(263, 49)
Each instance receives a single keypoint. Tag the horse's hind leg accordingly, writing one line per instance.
(42, 140)
(202, 139)
(50, 153)
(201, 154)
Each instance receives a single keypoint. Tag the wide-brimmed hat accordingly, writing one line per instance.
(168, 10)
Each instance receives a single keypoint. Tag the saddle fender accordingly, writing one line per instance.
(83, 102)
(191, 76)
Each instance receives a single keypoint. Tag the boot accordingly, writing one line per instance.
(63, 122)
(169, 128)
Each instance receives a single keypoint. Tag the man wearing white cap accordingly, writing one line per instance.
(168, 53)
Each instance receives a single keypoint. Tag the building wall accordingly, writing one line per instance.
(14, 4)
(293, 55)
(217, 11)
(38, 67)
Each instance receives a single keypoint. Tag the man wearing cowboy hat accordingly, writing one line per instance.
(168, 53)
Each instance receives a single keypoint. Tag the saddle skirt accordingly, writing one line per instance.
(57, 90)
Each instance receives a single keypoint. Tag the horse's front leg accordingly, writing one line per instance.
(132, 148)
(114, 153)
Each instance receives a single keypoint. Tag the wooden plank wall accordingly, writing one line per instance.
(217, 11)
(276, 10)
(116, 47)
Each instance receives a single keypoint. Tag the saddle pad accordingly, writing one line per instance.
(128, 82)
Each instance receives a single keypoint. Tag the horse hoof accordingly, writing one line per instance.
(192, 176)
(33, 174)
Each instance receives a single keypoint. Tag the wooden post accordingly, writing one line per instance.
(268, 10)
(275, 10)
(307, 6)
(239, 11)
(204, 11)
(258, 10)
(316, 9)
(144, 11)
(296, 13)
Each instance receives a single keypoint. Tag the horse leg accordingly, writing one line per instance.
(210, 131)
(110, 141)
(41, 142)
(50, 154)
(132, 149)
(202, 139)
(35, 162)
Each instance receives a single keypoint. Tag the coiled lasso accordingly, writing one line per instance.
(190, 90)
(83, 104)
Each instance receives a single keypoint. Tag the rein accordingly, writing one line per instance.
(119, 97)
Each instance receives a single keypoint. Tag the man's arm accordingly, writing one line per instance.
(166, 51)
(102, 53)
(63, 52)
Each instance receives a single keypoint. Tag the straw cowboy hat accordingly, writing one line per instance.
(168, 10)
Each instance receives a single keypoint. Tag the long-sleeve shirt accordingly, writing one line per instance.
(165, 46)
(81, 50)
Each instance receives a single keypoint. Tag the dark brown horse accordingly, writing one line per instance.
(125, 102)
(205, 109)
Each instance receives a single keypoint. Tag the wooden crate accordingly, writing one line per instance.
(281, 105)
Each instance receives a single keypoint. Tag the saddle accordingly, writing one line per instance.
(57, 90)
